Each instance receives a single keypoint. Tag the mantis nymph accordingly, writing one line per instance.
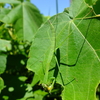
(64, 33)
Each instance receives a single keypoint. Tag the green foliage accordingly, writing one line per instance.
(76, 61)
(25, 19)
(1, 84)
(58, 60)
(18, 24)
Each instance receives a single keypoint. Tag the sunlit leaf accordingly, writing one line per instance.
(26, 19)
(78, 63)
(80, 9)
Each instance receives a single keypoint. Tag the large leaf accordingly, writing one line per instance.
(26, 19)
(79, 65)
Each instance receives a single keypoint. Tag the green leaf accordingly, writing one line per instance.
(2, 63)
(79, 9)
(3, 12)
(86, 69)
(78, 72)
(5, 45)
(38, 95)
(1, 84)
(96, 7)
(92, 33)
(26, 19)
(91, 2)
(9, 1)
(42, 57)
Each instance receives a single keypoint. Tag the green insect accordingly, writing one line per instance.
(54, 28)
